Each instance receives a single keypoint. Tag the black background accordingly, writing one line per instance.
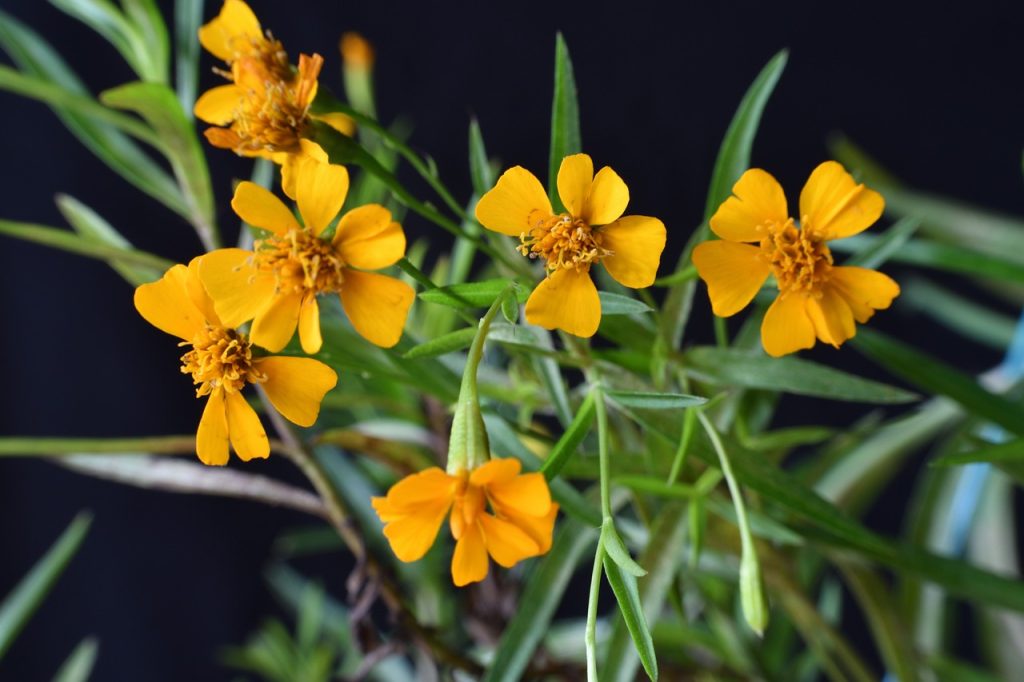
(164, 581)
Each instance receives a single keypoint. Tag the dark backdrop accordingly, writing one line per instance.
(165, 581)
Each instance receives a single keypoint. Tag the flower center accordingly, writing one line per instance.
(220, 358)
(562, 241)
(468, 504)
(301, 262)
(798, 260)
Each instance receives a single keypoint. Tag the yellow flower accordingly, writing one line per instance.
(277, 283)
(221, 362)
(591, 231)
(356, 51)
(816, 298)
(519, 525)
(265, 108)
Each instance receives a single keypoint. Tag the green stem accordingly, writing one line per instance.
(590, 636)
(721, 332)
(24, 446)
(689, 422)
(602, 449)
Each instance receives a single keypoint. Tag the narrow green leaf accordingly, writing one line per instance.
(960, 258)
(27, 446)
(617, 304)
(565, 119)
(19, 605)
(78, 667)
(972, 320)
(617, 551)
(69, 241)
(628, 597)
(107, 20)
(655, 401)
(682, 276)
(551, 376)
(1010, 451)
(939, 378)
(448, 343)
(566, 446)
(188, 15)
(152, 29)
(950, 670)
(472, 294)
(885, 246)
(479, 165)
(510, 309)
(737, 367)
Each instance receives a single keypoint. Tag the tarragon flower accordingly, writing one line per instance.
(592, 230)
(277, 283)
(518, 526)
(264, 111)
(222, 362)
(817, 299)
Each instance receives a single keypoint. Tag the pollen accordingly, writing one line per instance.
(798, 260)
(301, 262)
(563, 242)
(220, 358)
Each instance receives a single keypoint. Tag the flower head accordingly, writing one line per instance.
(817, 299)
(592, 230)
(222, 362)
(518, 524)
(264, 111)
(277, 283)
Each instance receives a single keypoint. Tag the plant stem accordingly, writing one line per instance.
(590, 636)
(602, 449)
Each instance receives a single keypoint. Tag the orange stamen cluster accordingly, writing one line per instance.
(798, 260)
(563, 242)
(220, 358)
(301, 262)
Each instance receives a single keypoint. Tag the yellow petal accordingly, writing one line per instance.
(833, 205)
(339, 121)
(469, 563)
(508, 206)
(367, 238)
(506, 542)
(411, 535)
(198, 295)
(309, 325)
(308, 151)
(166, 304)
(566, 300)
(232, 32)
(636, 243)
(864, 290)
(607, 199)
(540, 528)
(832, 317)
(757, 199)
(212, 436)
(247, 435)
(238, 290)
(426, 487)
(786, 328)
(527, 494)
(259, 207)
(376, 306)
(495, 471)
(274, 326)
(320, 190)
(296, 386)
(219, 105)
(575, 176)
(733, 272)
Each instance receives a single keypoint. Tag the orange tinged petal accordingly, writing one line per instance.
(575, 176)
(833, 205)
(410, 536)
(469, 563)
(245, 430)
(540, 528)
(607, 199)
(339, 121)
(296, 386)
(786, 327)
(212, 436)
(495, 471)
(832, 317)
(757, 199)
(320, 190)
(309, 325)
(429, 486)
(506, 542)
(238, 290)
(232, 32)
(508, 206)
(636, 243)
(274, 326)
(219, 105)
(167, 305)
(527, 494)
(865, 291)
(376, 305)
(367, 238)
(261, 208)
(733, 272)
(566, 299)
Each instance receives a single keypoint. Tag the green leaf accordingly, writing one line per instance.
(480, 171)
(628, 597)
(22, 446)
(885, 246)
(617, 551)
(566, 446)
(1010, 451)
(510, 309)
(188, 15)
(654, 401)
(962, 315)
(736, 367)
(682, 276)
(937, 377)
(472, 294)
(91, 225)
(565, 119)
(160, 108)
(78, 667)
(447, 343)
(19, 605)
(151, 27)
(104, 17)
(35, 57)
(617, 304)
(69, 241)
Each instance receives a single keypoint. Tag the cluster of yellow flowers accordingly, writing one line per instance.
(272, 290)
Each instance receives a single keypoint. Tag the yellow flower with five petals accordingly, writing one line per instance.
(592, 230)
(817, 299)
(222, 362)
